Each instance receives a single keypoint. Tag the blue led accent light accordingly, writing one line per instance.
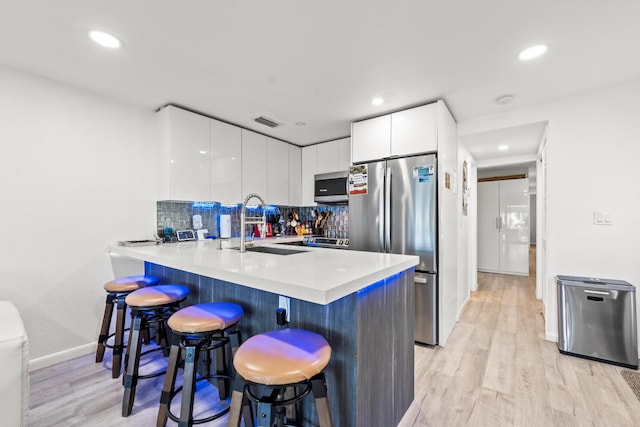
(382, 282)
(204, 205)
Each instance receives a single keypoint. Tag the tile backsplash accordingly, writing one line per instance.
(178, 215)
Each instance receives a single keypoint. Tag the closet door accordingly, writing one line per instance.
(514, 228)
(488, 226)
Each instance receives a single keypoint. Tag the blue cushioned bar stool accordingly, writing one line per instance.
(198, 329)
(276, 361)
(117, 291)
(152, 305)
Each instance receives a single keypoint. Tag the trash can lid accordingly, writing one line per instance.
(620, 285)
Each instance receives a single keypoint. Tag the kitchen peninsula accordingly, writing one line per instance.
(361, 302)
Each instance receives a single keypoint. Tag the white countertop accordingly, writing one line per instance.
(317, 275)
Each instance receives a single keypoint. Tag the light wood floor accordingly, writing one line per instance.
(496, 370)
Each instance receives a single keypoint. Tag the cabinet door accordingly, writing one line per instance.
(295, 175)
(371, 139)
(254, 164)
(488, 226)
(308, 173)
(514, 229)
(189, 162)
(277, 172)
(344, 154)
(327, 157)
(226, 161)
(415, 130)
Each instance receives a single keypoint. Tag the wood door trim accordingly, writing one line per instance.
(502, 178)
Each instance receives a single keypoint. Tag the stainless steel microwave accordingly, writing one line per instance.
(331, 188)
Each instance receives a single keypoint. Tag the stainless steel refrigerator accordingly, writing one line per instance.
(392, 208)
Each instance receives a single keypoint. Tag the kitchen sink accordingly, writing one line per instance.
(275, 251)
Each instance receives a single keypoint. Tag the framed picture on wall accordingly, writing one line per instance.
(465, 188)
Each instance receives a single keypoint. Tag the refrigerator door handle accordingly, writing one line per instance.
(387, 213)
(381, 224)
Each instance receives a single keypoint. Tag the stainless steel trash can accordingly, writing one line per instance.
(597, 319)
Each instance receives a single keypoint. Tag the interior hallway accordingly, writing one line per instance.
(497, 369)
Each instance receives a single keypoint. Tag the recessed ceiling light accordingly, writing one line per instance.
(377, 101)
(532, 52)
(503, 147)
(504, 99)
(105, 39)
(203, 152)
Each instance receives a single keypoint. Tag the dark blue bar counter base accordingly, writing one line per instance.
(371, 373)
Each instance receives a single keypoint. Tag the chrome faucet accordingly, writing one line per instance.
(252, 220)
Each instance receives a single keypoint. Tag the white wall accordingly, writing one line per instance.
(76, 174)
(467, 224)
(448, 224)
(593, 150)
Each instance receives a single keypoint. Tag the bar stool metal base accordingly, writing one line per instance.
(270, 408)
(141, 318)
(193, 345)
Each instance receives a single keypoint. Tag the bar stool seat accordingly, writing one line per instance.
(214, 316)
(148, 305)
(117, 290)
(279, 359)
(198, 329)
(157, 295)
(284, 356)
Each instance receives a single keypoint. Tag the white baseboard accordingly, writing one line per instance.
(462, 307)
(62, 356)
(551, 336)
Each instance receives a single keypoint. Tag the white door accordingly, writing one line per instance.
(503, 226)
(514, 226)
(488, 226)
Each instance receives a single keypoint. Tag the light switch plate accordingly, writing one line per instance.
(602, 218)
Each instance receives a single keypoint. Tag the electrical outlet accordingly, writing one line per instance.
(285, 303)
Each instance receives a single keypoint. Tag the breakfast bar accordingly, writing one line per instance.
(361, 302)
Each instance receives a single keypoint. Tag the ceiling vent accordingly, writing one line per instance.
(266, 122)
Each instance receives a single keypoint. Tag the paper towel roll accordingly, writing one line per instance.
(225, 226)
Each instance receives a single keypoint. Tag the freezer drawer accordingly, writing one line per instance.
(426, 317)
(597, 319)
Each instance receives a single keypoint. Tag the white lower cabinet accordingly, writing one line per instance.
(225, 162)
(503, 226)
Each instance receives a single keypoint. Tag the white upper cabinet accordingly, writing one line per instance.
(295, 175)
(344, 154)
(309, 155)
(327, 157)
(333, 156)
(277, 172)
(254, 164)
(371, 139)
(183, 155)
(414, 130)
(403, 133)
(225, 162)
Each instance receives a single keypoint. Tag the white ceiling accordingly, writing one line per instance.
(321, 62)
(522, 142)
